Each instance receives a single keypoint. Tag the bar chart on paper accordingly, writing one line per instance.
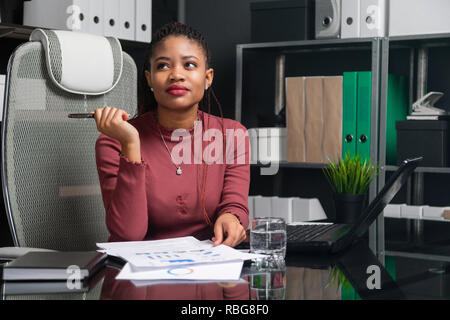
(171, 257)
(176, 257)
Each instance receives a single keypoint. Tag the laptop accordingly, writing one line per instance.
(332, 237)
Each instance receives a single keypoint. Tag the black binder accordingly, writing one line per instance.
(56, 265)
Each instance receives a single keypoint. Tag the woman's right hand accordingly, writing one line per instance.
(113, 123)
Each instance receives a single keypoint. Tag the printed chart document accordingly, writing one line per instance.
(228, 271)
(177, 258)
(144, 283)
(173, 252)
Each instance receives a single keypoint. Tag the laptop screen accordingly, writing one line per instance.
(384, 197)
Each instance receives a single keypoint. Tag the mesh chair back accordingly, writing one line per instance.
(50, 181)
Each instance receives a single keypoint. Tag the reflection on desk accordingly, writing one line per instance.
(268, 283)
(113, 289)
(302, 277)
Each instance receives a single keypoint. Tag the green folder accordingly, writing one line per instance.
(363, 114)
(349, 86)
(356, 118)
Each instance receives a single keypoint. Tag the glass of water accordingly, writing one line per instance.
(268, 236)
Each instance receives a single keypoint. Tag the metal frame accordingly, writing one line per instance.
(419, 43)
(6, 198)
(376, 231)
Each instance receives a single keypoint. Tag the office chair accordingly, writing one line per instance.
(49, 176)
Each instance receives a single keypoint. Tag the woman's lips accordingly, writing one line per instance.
(177, 90)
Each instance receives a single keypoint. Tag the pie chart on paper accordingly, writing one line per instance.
(180, 271)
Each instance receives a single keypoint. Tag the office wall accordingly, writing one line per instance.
(164, 11)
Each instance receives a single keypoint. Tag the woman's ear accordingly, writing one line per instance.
(209, 77)
(148, 76)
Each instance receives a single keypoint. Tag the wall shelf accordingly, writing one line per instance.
(422, 169)
(20, 32)
(285, 164)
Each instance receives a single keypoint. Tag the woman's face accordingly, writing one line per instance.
(178, 73)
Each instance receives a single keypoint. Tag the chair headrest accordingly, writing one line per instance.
(81, 63)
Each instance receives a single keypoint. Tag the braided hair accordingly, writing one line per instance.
(147, 101)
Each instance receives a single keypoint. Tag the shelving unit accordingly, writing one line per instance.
(415, 53)
(16, 31)
(278, 58)
(414, 57)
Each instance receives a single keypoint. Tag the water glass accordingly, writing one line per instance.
(268, 236)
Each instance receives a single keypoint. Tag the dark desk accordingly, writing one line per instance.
(299, 277)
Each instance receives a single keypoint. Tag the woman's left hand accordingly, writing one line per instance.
(228, 230)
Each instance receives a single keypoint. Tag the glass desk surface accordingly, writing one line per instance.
(298, 277)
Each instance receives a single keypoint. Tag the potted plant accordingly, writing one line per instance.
(350, 178)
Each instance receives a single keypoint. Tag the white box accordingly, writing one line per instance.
(307, 210)
(111, 21)
(253, 139)
(262, 207)
(127, 20)
(434, 213)
(415, 17)
(96, 19)
(57, 14)
(272, 145)
(282, 208)
(144, 20)
(373, 18)
(327, 19)
(2, 94)
(350, 20)
(393, 210)
(411, 212)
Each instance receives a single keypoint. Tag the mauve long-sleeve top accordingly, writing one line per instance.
(149, 201)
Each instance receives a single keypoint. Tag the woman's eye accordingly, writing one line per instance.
(161, 66)
(190, 65)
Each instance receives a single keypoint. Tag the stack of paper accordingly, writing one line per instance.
(177, 259)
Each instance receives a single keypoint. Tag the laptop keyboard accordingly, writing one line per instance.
(307, 232)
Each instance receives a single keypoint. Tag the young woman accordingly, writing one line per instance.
(148, 193)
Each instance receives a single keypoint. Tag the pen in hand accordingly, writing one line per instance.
(81, 115)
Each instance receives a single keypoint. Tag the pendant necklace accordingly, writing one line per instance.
(179, 171)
